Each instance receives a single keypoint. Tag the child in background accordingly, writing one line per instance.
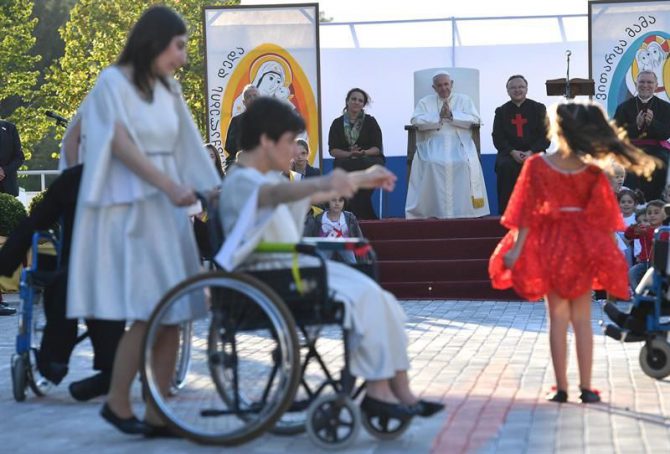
(562, 216)
(644, 231)
(335, 222)
(616, 176)
(627, 204)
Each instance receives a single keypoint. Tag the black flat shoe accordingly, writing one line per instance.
(130, 426)
(589, 396)
(6, 309)
(618, 317)
(426, 408)
(91, 387)
(375, 407)
(160, 431)
(558, 396)
(617, 333)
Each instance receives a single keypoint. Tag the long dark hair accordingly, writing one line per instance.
(149, 37)
(583, 130)
(217, 158)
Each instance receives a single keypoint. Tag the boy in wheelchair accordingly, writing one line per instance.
(60, 333)
(632, 327)
(259, 205)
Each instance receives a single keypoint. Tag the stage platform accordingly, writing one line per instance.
(437, 258)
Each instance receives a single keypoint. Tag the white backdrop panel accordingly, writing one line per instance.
(388, 76)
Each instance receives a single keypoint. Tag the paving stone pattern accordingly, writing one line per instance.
(488, 361)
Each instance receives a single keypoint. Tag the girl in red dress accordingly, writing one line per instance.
(562, 217)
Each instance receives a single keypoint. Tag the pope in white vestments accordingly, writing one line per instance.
(446, 179)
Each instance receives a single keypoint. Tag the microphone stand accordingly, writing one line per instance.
(568, 93)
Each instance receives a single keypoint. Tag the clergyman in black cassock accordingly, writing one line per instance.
(519, 130)
(646, 118)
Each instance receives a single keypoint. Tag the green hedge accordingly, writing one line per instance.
(11, 213)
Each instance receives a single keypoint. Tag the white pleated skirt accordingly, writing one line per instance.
(128, 257)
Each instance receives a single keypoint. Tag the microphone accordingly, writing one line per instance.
(60, 120)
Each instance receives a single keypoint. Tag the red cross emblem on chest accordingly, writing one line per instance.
(519, 121)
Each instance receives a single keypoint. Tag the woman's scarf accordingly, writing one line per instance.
(353, 129)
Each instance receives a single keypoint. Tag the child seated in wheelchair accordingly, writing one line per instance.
(335, 222)
(60, 334)
(265, 207)
(642, 277)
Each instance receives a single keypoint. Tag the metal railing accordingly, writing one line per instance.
(42, 174)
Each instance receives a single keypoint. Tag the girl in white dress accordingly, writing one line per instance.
(132, 237)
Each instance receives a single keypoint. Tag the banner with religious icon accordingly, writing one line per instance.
(274, 48)
(626, 38)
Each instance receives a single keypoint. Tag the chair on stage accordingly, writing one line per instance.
(466, 81)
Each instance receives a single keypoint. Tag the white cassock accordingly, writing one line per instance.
(447, 179)
(373, 315)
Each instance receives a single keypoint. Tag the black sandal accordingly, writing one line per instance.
(589, 396)
(557, 395)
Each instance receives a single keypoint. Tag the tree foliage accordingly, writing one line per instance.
(94, 37)
(18, 74)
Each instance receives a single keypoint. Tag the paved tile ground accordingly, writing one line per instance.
(489, 361)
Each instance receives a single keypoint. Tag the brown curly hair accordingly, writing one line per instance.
(583, 130)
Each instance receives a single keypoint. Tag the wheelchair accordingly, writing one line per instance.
(255, 365)
(32, 320)
(654, 294)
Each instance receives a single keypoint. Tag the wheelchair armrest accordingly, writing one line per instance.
(336, 244)
(299, 248)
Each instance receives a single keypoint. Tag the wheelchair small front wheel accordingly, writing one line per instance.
(385, 427)
(333, 421)
(655, 358)
(19, 377)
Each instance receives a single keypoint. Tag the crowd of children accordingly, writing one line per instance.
(641, 219)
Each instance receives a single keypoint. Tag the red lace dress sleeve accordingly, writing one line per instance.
(521, 208)
(522, 211)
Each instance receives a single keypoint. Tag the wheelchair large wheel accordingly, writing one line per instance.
(244, 358)
(655, 358)
(38, 384)
(183, 357)
(19, 377)
(333, 421)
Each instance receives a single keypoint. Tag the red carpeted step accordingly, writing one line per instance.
(474, 290)
(433, 270)
(437, 258)
(396, 229)
(435, 249)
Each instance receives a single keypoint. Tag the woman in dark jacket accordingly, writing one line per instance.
(355, 141)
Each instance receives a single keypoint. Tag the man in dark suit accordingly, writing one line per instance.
(11, 158)
(232, 145)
